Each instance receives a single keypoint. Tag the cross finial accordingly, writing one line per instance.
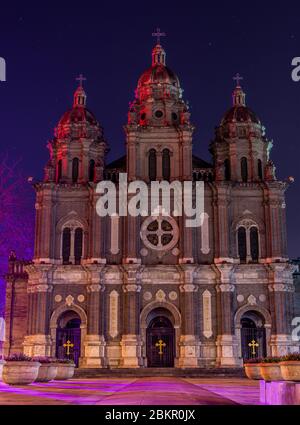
(238, 78)
(158, 34)
(81, 78)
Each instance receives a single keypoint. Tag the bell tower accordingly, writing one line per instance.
(241, 149)
(159, 131)
(78, 149)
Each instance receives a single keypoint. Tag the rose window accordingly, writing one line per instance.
(159, 233)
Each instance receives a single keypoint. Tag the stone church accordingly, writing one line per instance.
(131, 292)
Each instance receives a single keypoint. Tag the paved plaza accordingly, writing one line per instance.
(135, 391)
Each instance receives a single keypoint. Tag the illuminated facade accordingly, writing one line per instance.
(134, 292)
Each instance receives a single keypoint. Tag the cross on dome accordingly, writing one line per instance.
(158, 34)
(238, 78)
(80, 78)
(79, 95)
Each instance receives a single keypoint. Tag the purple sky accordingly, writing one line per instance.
(46, 47)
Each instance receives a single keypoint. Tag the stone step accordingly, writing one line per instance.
(144, 372)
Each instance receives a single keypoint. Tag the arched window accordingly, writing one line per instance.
(242, 244)
(59, 170)
(91, 170)
(75, 170)
(66, 245)
(227, 169)
(259, 169)
(244, 169)
(78, 245)
(254, 247)
(166, 165)
(152, 164)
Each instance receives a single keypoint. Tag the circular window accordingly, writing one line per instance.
(159, 233)
(174, 116)
(159, 114)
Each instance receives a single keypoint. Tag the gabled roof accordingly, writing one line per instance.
(200, 163)
(120, 163)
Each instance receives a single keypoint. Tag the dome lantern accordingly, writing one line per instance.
(80, 95)
(158, 56)
(238, 95)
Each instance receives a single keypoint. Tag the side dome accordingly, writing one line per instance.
(78, 121)
(239, 112)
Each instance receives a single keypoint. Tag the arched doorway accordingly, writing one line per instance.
(160, 338)
(68, 337)
(253, 335)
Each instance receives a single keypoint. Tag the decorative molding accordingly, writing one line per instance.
(69, 300)
(189, 287)
(131, 287)
(94, 287)
(251, 300)
(173, 295)
(39, 288)
(113, 313)
(207, 319)
(160, 296)
(225, 287)
(147, 296)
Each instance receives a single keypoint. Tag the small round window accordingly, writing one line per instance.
(143, 116)
(159, 114)
(159, 233)
(174, 116)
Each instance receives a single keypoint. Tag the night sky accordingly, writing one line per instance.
(47, 46)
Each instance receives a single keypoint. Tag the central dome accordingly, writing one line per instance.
(158, 81)
(158, 74)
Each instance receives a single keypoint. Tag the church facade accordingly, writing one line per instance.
(130, 292)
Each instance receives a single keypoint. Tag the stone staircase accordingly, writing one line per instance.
(159, 372)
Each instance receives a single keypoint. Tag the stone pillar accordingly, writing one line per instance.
(38, 341)
(131, 340)
(186, 238)
(131, 230)
(221, 229)
(189, 350)
(95, 253)
(94, 344)
(280, 291)
(227, 346)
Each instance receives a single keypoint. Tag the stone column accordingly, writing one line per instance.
(189, 350)
(131, 340)
(94, 344)
(186, 237)
(131, 239)
(38, 341)
(227, 346)
(96, 252)
(221, 228)
(280, 291)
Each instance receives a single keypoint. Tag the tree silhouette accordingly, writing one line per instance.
(16, 216)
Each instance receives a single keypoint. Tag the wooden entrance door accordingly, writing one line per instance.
(253, 339)
(68, 341)
(160, 343)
